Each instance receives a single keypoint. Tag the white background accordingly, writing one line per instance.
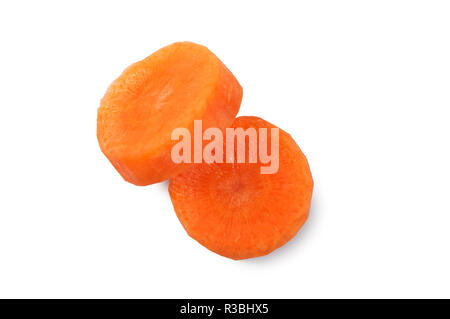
(362, 86)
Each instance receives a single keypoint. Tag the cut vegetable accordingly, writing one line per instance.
(169, 89)
(237, 212)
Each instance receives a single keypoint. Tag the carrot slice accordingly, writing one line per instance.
(169, 89)
(237, 212)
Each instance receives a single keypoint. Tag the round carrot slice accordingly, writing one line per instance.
(237, 212)
(169, 89)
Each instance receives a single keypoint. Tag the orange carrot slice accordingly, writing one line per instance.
(237, 212)
(169, 89)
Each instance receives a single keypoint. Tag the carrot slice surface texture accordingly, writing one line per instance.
(237, 212)
(169, 89)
